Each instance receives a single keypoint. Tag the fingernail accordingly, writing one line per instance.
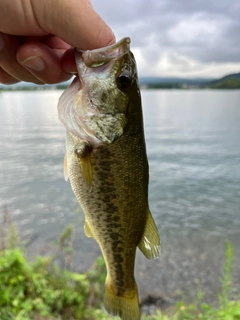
(2, 41)
(35, 63)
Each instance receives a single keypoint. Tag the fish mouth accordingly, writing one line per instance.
(98, 57)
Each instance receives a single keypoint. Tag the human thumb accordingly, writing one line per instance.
(74, 21)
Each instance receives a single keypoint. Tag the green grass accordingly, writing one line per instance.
(40, 290)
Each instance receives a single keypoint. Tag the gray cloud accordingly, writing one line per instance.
(188, 36)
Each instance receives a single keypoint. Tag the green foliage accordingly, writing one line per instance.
(42, 291)
(226, 276)
(8, 233)
(230, 83)
(157, 316)
(30, 289)
(228, 310)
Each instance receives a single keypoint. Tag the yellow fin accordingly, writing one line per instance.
(150, 241)
(65, 169)
(84, 158)
(88, 230)
(126, 307)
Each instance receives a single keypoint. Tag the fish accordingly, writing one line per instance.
(107, 165)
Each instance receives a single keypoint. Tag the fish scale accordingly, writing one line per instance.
(108, 169)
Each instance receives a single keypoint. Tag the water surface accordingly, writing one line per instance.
(193, 148)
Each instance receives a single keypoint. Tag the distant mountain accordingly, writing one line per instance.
(161, 82)
(147, 82)
(231, 81)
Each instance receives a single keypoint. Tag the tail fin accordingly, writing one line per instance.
(126, 306)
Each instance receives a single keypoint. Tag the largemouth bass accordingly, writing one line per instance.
(107, 166)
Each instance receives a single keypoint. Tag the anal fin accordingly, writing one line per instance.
(150, 241)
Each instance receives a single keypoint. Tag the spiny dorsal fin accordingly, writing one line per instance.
(150, 241)
(84, 158)
(65, 169)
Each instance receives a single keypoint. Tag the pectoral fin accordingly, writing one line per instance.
(84, 158)
(150, 241)
(65, 169)
(88, 230)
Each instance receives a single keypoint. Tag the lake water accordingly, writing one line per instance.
(193, 145)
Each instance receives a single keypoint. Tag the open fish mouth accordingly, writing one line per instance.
(98, 57)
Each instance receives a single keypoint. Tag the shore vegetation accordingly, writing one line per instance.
(42, 290)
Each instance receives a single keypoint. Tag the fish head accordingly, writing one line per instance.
(105, 74)
(95, 106)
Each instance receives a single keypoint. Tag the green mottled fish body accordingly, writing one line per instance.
(107, 166)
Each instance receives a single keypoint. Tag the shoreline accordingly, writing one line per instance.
(177, 275)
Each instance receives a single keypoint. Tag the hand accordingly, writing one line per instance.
(37, 38)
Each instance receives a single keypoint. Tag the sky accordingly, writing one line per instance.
(178, 38)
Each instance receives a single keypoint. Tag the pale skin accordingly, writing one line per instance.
(37, 38)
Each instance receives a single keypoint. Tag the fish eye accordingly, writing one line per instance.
(124, 80)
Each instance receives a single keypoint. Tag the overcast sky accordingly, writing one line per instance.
(183, 38)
